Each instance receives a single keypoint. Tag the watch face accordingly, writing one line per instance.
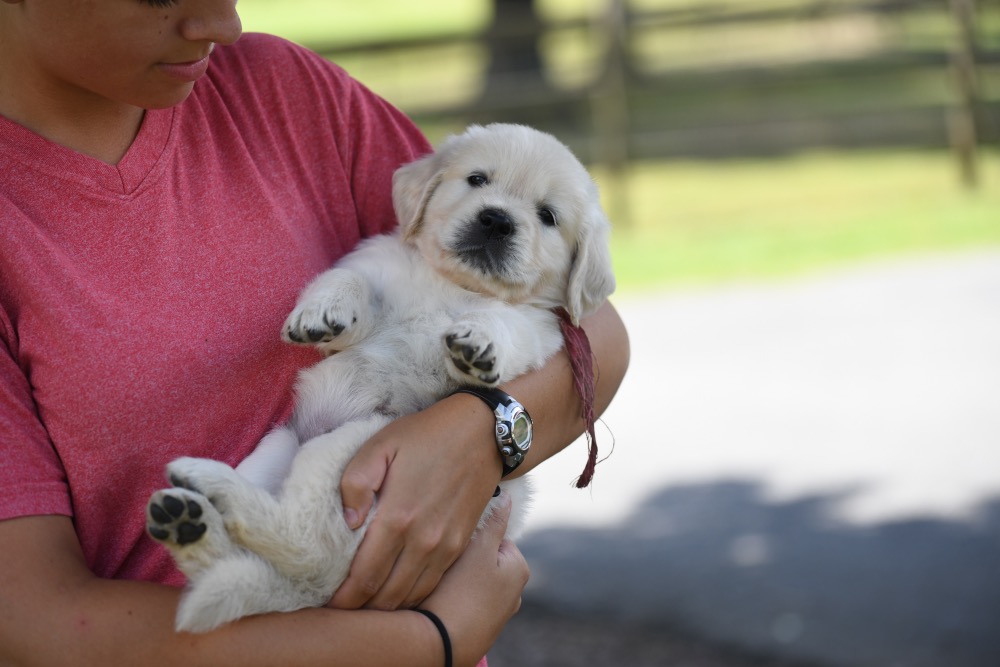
(521, 431)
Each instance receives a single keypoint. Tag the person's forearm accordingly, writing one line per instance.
(144, 635)
(74, 618)
(551, 400)
(549, 396)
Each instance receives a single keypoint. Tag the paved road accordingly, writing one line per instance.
(804, 470)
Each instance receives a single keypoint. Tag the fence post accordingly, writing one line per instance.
(515, 60)
(610, 109)
(962, 125)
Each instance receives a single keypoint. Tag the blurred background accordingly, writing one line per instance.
(803, 466)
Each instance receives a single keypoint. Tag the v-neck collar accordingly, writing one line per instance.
(122, 179)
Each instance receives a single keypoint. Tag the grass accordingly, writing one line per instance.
(342, 22)
(710, 221)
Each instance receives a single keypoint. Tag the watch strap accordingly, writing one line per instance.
(494, 398)
(490, 395)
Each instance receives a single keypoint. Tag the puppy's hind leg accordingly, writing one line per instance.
(269, 463)
(190, 527)
(310, 539)
(236, 499)
(242, 584)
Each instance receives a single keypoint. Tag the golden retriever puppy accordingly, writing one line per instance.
(498, 227)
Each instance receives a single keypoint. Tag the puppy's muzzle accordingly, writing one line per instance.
(485, 243)
(495, 223)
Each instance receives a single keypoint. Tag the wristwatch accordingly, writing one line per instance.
(513, 432)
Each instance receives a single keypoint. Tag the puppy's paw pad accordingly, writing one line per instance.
(330, 309)
(473, 355)
(317, 323)
(173, 516)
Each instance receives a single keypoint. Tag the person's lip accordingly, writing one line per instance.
(186, 71)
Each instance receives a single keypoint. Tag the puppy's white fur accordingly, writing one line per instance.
(447, 301)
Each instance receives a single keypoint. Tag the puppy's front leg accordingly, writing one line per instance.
(474, 354)
(334, 312)
(494, 344)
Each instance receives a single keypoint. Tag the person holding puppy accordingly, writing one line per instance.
(165, 192)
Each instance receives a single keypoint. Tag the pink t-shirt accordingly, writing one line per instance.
(140, 304)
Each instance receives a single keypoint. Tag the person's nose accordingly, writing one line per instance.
(212, 21)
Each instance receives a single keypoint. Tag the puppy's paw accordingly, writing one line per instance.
(334, 310)
(174, 517)
(473, 354)
(314, 322)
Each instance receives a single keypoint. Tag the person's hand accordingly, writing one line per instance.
(434, 472)
(482, 590)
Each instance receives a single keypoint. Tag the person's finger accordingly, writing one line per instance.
(408, 570)
(368, 572)
(397, 584)
(495, 526)
(424, 559)
(425, 585)
(510, 558)
(508, 552)
(361, 480)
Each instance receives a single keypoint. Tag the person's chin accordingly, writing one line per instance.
(168, 97)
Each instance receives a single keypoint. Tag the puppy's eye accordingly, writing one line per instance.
(547, 216)
(477, 180)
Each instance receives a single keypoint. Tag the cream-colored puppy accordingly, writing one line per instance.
(498, 227)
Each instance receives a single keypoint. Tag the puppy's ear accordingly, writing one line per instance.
(591, 278)
(412, 187)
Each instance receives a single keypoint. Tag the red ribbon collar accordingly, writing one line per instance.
(582, 361)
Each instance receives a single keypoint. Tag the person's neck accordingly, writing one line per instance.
(76, 119)
(105, 136)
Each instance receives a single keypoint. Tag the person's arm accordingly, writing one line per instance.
(54, 611)
(435, 471)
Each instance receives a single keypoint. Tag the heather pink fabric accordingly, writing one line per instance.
(140, 304)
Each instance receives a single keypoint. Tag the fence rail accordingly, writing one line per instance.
(675, 82)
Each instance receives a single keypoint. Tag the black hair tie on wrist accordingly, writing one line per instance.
(443, 631)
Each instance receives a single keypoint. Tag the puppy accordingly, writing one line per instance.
(497, 228)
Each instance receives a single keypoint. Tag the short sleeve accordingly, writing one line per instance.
(31, 473)
(323, 125)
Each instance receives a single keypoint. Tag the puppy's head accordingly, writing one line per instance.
(508, 211)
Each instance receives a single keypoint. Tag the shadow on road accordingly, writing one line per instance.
(715, 574)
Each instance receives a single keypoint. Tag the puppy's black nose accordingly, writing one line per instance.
(496, 221)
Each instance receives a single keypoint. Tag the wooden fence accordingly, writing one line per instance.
(715, 79)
